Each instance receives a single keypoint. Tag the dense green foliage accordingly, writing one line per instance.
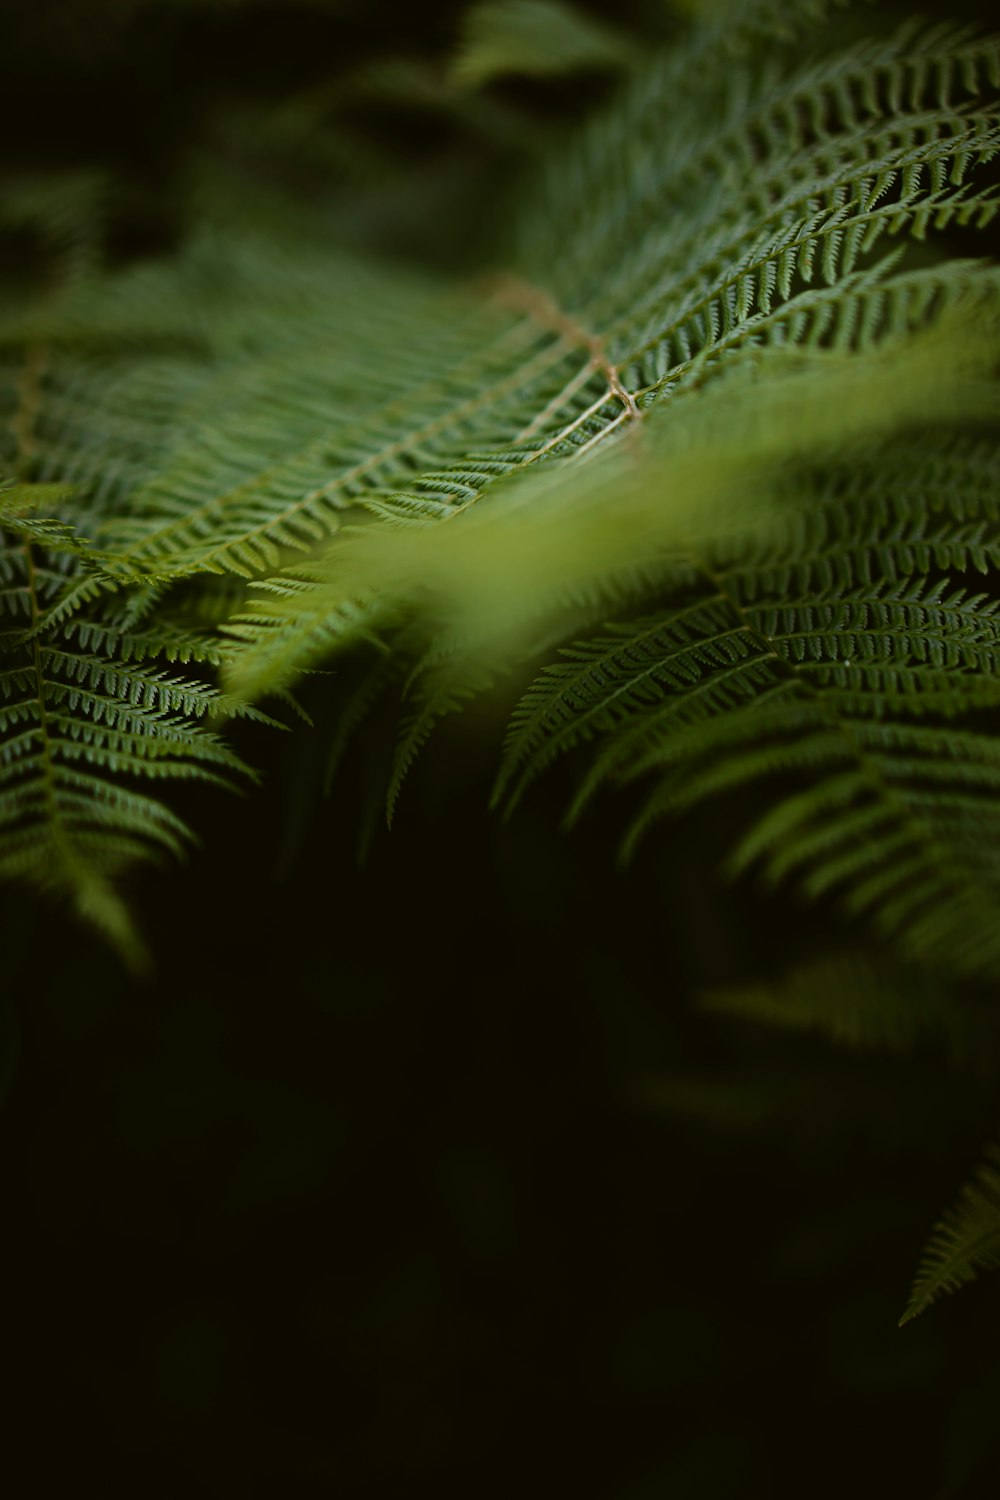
(217, 414)
(689, 467)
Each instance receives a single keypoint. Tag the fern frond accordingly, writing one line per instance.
(332, 378)
(80, 733)
(441, 692)
(898, 820)
(859, 1001)
(564, 534)
(823, 652)
(938, 511)
(607, 679)
(781, 165)
(533, 38)
(964, 1242)
(700, 314)
(286, 393)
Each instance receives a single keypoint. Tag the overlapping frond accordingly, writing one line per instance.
(789, 174)
(520, 458)
(643, 269)
(277, 391)
(89, 719)
(605, 524)
(833, 667)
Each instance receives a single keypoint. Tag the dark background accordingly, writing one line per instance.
(424, 1173)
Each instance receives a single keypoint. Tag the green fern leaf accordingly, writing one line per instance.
(80, 735)
(703, 310)
(965, 1241)
(534, 38)
(861, 1001)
